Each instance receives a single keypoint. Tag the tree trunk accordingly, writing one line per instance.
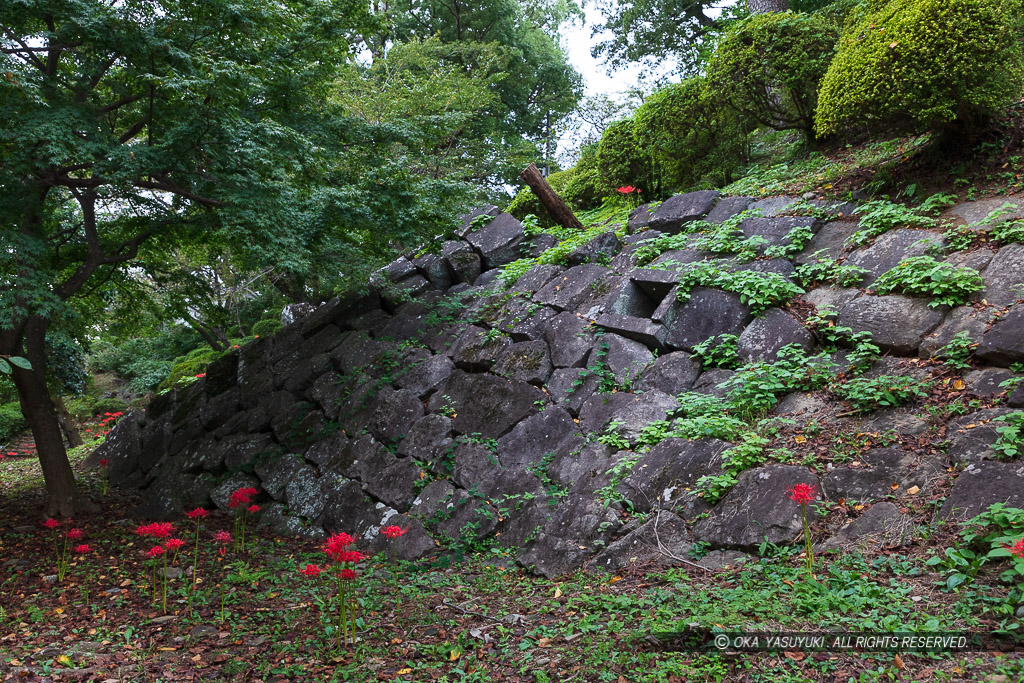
(557, 209)
(39, 411)
(765, 6)
(67, 424)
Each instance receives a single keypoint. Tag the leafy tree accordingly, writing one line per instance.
(137, 126)
(652, 31)
(530, 73)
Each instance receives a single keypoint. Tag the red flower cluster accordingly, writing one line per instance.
(802, 493)
(75, 534)
(104, 462)
(197, 513)
(222, 537)
(392, 532)
(254, 508)
(626, 189)
(338, 550)
(173, 543)
(311, 570)
(200, 375)
(347, 575)
(155, 551)
(1017, 549)
(82, 549)
(156, 530)
(51, 523)
(242, 497)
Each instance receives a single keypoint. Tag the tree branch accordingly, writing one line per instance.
(28, 52)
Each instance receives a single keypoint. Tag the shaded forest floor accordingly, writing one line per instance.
(468, 614)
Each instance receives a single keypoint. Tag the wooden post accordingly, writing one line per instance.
(557, 208)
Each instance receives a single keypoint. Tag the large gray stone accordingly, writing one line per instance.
(346, 508)
(571, 387)
(665, 476)
(275, 474)
(758, 509)
(773, 206)
(978, 211)
(881, 525)
(891, 248)
(477, 349)
(830, 240)
(639, 218)
(486, 404)
(498, 242)
(971, 437)
(663, 539)
(960, 319)
(707, 313)
(775, 231)
(527, 361)
(874, 475)
(576, 530)
(1004, 276)
(647, 332)
(599, 250)
(428, 438)
(534, 279)
(576, 288)
(681, 209)
(897, 323)
(569, 341)
(425, 377)
(436, 269)
(1003, 343)
(582, 468)
(624, 358)
(768, 334)
(121, 449)
(672, 373)
(630, 412)
(728, 207)
(535, 437)
(464, 263)
(394, 413)
(221, 495)
(981, 484)
(466, 221)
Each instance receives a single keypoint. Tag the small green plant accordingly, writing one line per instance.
(759, 291)
(825, 270)
(719, 351)
(992, 535)
(880, 215)
(869, 393)
(956, 353)
(1010, 443)
(793, 243)
(946, 284)
(755, 387)
(748, 453)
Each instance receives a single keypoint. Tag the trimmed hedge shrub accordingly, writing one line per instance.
(768, 68)
(917, 65)
(691, 138)
(621, 160)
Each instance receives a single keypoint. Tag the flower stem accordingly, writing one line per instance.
(808, 549)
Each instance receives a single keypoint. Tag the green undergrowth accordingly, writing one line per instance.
(611, 216)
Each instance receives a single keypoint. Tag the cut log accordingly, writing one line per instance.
(557, 209)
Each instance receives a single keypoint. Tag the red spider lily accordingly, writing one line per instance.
(242, 496)
(155, 551)
(156, 529)
(197, 513)
(201, 375)
(311, 570)
(75, 534)
(254, 508)
(393, 532)
(346, 575)
(104, 462)
(107, 414)
(82, 549)
(51, 523)
(1017, 549)
(222, 537)
(336, 544)
(802, 493)
(626, 189)
(173, 543)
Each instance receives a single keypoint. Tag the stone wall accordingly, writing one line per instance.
(468, 411)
